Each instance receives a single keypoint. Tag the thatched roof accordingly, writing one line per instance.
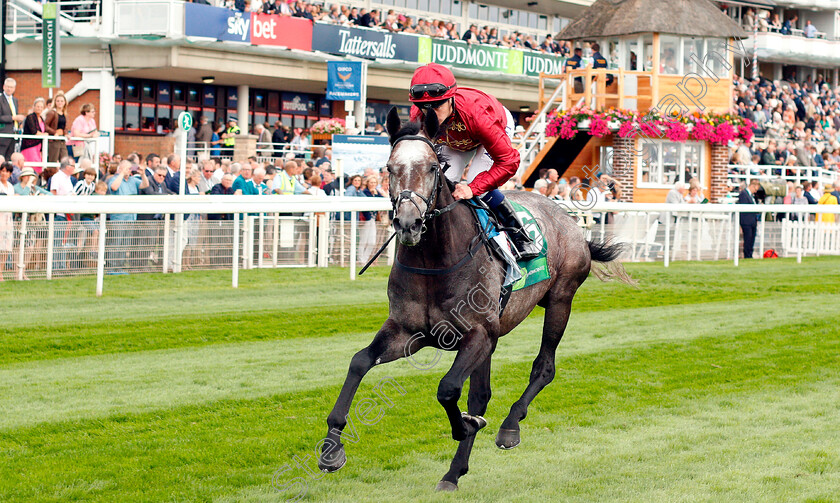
(610, 18)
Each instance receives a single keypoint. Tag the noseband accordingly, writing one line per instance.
(431, 200)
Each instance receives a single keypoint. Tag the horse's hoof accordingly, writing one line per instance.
(336, 461)
(507, 439)
(476, 422)
(447, 486)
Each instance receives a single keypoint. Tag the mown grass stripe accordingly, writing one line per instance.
(94, 386)
(642, 422)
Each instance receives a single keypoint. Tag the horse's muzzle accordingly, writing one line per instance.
(408, 234)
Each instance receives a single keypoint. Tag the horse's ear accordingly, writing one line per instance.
(431, 124)
(393, 123)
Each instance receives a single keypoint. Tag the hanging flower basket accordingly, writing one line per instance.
(715, 128)
(324, 129)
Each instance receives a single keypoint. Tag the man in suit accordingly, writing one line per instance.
(11, 120)
(749, 220)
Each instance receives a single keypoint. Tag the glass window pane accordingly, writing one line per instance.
(472, 11)
(132, 91)
(434, 5)
(194, 95)
(533, 17)
(457, 10)
(423, 5)
(647, 56)
(118, 115)
(692, 46)
(692, 162)
(147, 116)
(668, 53)
(132, 116)
(494, 15)
(286, 119)
(542, 23)
(556, 25)
(670, 160)
(483, 12)
(148, 91)
(648, 162)
(163, 121)
(715, 63)
(399, 3)
(445, 6)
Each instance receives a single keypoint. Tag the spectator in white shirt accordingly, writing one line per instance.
(810, 30)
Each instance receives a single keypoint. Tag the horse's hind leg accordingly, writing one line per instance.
(388, 345)
(476, 406)
(542, 372)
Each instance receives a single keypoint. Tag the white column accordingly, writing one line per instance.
(362, 104)
(106, 28)
(242, 100)
(235, 250)
(107, 90)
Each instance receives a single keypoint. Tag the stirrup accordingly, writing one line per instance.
(524, 247)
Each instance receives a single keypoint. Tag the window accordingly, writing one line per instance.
(692, 46)
(715, 63)
(494, 15)
(472, 11)
(663, 163)
(669, 53)
(542, 23)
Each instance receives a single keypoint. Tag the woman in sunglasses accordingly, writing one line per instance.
(474, 127)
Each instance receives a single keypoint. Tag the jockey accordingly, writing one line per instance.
(473, 127)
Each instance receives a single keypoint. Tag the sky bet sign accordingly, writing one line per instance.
(249, 28)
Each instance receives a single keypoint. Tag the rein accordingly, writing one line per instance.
(430, 213)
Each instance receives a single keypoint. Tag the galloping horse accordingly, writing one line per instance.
(432, 292)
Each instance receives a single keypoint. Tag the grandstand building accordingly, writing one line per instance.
(141, 63)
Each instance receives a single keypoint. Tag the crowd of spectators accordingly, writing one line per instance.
(767, 21)
(797, 124)
(394, 21)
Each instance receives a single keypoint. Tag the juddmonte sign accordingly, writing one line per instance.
(488, 58)
(50, 66)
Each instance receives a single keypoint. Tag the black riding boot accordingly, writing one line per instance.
(525, 247)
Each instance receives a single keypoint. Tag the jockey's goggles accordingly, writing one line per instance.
(432, 104)
(419, 91)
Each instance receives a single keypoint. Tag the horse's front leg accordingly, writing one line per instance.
(475, 348)
(388, 345)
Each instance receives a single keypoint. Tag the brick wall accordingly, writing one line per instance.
(720, 159)
(622, 164)
(29, 88)
(125, 144)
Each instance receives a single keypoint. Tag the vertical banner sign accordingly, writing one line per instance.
(50, 64)
(344, 80)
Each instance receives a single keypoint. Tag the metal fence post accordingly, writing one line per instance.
(353, 226)
(236, 250)
(100, 256)
(312, 239)
(801, 242)
(667, 249)
(735, 226)
(261, 245)
(165, 252)
(323, 239)
(275, 240)
(51, 233)
(21, 254)
(761, 240)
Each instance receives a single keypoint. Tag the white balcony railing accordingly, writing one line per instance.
(164, 18)
(795, 50)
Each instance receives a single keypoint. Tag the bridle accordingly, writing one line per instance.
(431, 200)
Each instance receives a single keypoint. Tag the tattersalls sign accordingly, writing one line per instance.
(50, 63)
(363, 43)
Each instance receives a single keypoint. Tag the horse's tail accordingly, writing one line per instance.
(608, 268)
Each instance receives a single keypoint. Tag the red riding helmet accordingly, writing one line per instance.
(432, 82)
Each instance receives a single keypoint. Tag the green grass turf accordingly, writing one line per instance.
(708, 383)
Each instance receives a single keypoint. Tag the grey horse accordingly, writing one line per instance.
(444, 292)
